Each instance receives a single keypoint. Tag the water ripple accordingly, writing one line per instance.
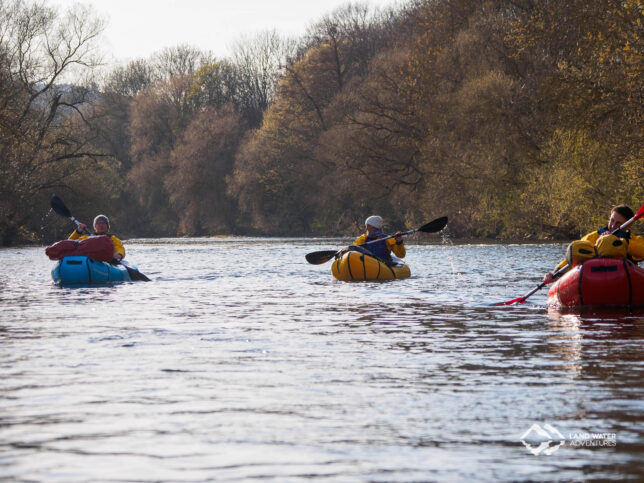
(240, 361)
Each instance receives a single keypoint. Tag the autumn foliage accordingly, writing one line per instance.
(519, 119)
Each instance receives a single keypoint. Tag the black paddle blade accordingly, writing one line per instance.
(134, 274)
(317, 258)
(59, 207)
(434, 226)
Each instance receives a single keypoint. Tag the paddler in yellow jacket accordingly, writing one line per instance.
(101, 227)
(634, 244)
(383, 249)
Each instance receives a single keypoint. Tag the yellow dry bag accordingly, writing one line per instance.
(611, 246)
(578, 252)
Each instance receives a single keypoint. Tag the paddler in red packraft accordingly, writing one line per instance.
(601, 243)
(383, 249)
(101, 227)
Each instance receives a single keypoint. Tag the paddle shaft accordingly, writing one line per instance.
(409, 232)
(433, 226)
(78, 223)
(628, 223)
(523, 298)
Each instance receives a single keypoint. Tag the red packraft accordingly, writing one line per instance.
(98, 247)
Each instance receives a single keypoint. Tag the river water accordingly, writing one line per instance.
(240, 362)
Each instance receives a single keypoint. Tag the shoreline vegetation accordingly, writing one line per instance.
(521, 120)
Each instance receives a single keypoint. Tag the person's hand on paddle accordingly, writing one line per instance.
(548, 278)
(398, 237)
(82, 228)
(117, 256)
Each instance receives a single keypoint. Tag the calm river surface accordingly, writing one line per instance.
(240, 362)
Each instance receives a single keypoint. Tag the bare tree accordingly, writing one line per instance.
(46, 128)
(259, 62)
(179, 60)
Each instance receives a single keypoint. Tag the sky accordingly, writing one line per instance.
(139, 28)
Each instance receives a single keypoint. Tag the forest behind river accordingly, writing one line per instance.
(519, 119)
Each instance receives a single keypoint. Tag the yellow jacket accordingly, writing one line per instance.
(398, 249)
(118, 244)
(635, 248)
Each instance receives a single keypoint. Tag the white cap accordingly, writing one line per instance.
(375, 221)
(102, 217)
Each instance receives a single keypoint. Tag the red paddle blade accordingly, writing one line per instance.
(640, 213)
(520, 300)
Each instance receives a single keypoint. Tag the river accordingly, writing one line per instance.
(240, 361)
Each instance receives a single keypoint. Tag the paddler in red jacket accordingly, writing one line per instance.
(618, 216)
(101, 227)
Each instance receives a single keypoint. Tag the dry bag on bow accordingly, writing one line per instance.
(97, 247)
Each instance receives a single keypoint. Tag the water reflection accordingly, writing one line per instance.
(595, 314)
(602, 346)
(565, 343)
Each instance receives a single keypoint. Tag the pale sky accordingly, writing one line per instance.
(139, 28)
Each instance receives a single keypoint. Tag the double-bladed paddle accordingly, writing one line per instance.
(60, 208)
(558, 273)
(317, 258)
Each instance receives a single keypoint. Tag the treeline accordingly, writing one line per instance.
(517, 118)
